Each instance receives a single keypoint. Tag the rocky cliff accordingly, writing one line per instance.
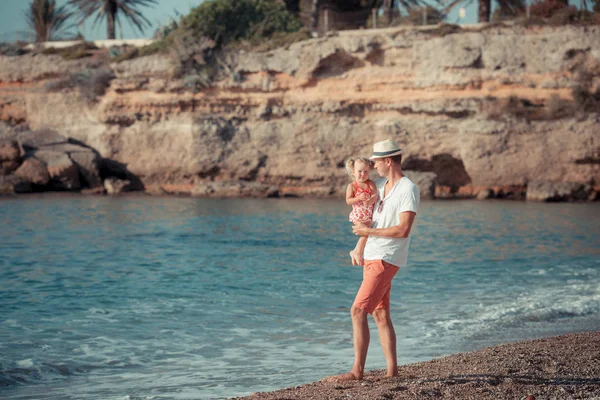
(489, 111)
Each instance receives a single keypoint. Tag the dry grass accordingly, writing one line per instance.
(75, 52)
(128, 53)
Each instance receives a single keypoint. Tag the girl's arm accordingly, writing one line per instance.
(375, 195)
(350, 199)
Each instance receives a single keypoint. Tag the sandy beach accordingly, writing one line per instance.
(560, 367)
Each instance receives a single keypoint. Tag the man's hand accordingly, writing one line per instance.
(360, 229)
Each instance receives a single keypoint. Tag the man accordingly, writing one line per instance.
(385, 252)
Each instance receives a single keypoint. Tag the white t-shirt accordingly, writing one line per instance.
(404, 196)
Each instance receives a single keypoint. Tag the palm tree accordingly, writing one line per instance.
(111, 10)
(46, 20)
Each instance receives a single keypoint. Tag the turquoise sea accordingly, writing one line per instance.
(182, 298)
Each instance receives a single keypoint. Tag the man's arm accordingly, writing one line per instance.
(400, 231)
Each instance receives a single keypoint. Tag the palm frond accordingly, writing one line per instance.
(48, 21)
(112, 10)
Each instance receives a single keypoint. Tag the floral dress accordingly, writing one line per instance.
(361, 211)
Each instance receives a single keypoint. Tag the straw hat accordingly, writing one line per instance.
(386, 148)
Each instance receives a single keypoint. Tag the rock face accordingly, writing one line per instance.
(34, 171)
(43, 160)
(563, 191)
(480, 110)
(61, 169)
(13, 184)
(10, 156)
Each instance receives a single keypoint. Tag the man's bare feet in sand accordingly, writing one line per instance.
(357, 259)
(350, 376)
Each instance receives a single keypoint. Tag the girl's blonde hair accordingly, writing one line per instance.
(352, 161)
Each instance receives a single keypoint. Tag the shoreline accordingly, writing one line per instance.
(558, 367)
(129, 194)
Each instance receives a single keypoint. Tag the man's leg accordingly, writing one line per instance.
(362, 337)
(373, 294)
(387, 337)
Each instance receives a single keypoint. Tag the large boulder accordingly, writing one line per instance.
(558, 191)
(8, 167)
(88, 163)
(38, 138)
(10, 156)
(34, 171)
(61, 169)
(10, 184)
(9, 150)
(86, 159)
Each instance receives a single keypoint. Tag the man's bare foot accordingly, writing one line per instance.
(357, 259)
(350, 376)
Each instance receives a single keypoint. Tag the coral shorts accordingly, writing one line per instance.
(374, 293)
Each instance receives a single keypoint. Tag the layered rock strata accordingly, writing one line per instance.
(485, 112)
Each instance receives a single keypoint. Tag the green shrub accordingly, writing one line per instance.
(254, 25)
(165, 30)
(225, 21)
(571, 15)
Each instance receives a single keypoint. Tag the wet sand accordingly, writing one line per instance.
(561, 367)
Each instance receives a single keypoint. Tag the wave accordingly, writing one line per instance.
(26, 372)
(546, 305)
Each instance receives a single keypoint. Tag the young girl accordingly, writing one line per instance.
(361, 194)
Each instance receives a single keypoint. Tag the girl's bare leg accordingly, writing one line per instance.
(357, 254)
